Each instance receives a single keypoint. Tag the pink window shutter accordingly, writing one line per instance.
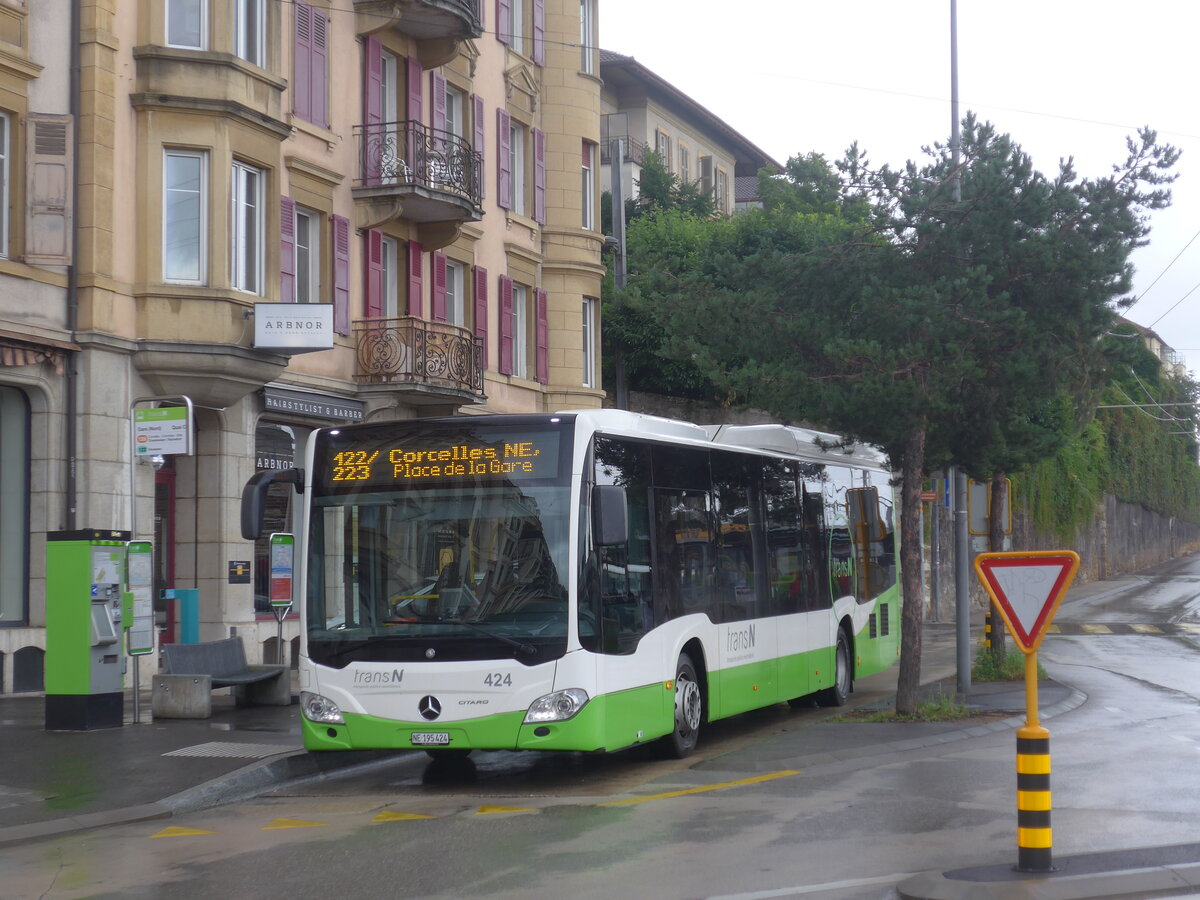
(542, 338)
(504, 27)
(437, 84)
(506, 325)
(439, 287)
(373, 287)
(341, 274)
(414, 279)
(372, 139)
(481, 311)
(302, 61)
(477, 116)
(287, 250)
(539, 32)
(503, 159)
(539, 176)
(319, 69)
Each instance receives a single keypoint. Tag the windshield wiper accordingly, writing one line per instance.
(504, 639)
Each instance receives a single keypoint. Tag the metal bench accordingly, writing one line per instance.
(194, 671)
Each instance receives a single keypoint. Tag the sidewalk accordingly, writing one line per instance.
(56, 783)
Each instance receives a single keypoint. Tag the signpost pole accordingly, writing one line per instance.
(1027, 588)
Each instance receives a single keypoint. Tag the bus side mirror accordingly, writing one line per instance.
(609, 515)
(254, 497)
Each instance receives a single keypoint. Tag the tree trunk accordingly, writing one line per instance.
(996, 525)
(908, 681)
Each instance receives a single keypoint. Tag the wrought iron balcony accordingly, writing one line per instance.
(435, 173)
(434, 357)
(424, 19)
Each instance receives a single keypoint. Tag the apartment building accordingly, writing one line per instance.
(646, 112)
(413, 181)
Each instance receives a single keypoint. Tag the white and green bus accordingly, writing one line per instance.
(587, 580)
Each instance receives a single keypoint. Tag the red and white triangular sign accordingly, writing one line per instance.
(1027, 588)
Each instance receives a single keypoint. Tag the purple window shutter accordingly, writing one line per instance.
(539, 32)
(477, 116)
(543, 338)
(302, 60)
(437, 84)
(506, 325)
(374, 274)
(503, 159)
(319, 69)
(372, 109)
(439, 287)
(341, 274)
(414, 279)
(504, 27)
(287, 250)
(539, 176)
(415, 73)
(481, 311)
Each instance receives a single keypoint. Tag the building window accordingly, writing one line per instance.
(587, 37)
(391, 277)
(246, 228)
(187, 23)
(5, 152)
(516, 162)
(721, 191)
(14, 507)
(456, 306)
(662, 146)
(516, 25)
(590, 305)
(184, 214)
(248, 29)
(455, 112)
(521, 324)
(308, 256)
(588, 186)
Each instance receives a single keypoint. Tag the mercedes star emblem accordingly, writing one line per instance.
(430, 708)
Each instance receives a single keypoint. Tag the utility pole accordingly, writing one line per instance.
(962, 595)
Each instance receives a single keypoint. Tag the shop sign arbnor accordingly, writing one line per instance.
(295, 327)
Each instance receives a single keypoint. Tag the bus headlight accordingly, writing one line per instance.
(320, 709)
(556, 707)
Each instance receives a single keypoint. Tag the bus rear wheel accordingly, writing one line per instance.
(840, 692)
(689, 711)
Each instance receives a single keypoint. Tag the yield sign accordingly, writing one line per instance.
(1027, 588)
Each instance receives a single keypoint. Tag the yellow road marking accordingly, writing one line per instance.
(1146, 629)
(1190, 629)
(386, 816)
(1096, 629)
(1053, 629)
(492, 810)
(176, 831)
(280, 824)
(757, 779)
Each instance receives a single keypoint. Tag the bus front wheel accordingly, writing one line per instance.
(689, 710)
(840, 692)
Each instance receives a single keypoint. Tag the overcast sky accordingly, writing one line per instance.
(1063, 77)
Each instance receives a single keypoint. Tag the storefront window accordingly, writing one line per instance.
(274, 448)
(14, 507)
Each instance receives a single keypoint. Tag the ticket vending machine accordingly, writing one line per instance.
(85, 574)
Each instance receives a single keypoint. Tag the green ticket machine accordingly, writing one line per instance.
(85, 574)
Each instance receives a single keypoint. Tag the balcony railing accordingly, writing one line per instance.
(634, 149)
(411, 157)
(408, 350)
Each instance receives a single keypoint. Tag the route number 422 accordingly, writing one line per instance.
(498, 679)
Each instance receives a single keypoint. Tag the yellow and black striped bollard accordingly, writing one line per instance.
(1034, 839)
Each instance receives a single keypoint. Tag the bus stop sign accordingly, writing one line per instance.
(1027, 588)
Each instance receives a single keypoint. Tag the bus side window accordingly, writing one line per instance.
(623, 571)
(740, 591)
(791, 568)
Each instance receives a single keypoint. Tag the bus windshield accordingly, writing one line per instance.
(449, 568)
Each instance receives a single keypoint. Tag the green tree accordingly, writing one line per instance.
(941, 325)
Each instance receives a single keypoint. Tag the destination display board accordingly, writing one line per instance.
(407, 455)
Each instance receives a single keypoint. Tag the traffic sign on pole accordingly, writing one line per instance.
(1027, 588)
